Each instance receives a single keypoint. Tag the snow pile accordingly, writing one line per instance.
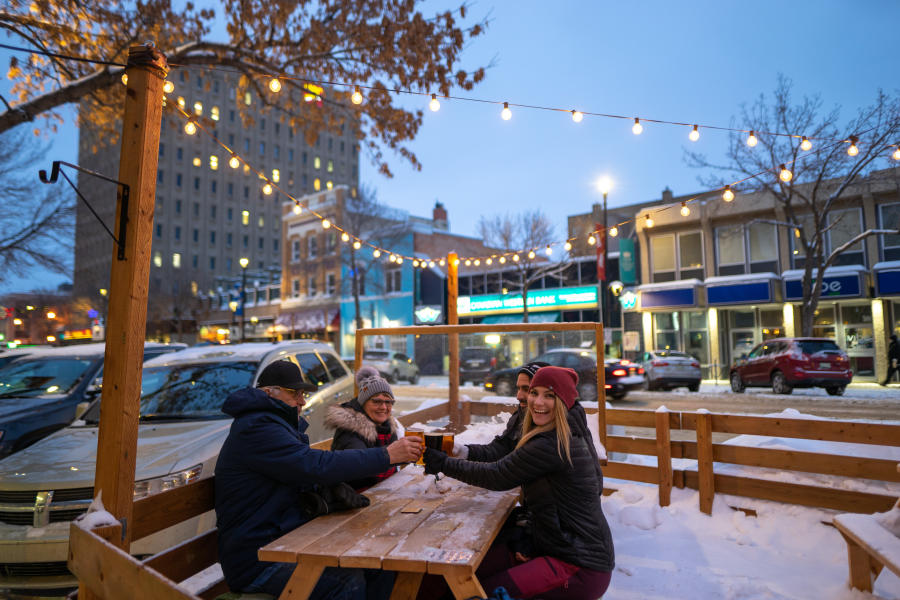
(890, 520)
(96, 515)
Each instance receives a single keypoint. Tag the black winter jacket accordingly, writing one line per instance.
(563, 499)
(501, 445)
(893, 350)
(264, 464)
(354, 430)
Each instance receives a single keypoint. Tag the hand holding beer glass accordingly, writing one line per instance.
(421, 435)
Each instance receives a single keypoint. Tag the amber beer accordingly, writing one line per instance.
(447, 443)
(421, 435)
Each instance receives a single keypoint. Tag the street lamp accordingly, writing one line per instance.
(604, 184)
(233, 305)
(244, 261)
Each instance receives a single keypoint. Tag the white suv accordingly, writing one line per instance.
(43, 487)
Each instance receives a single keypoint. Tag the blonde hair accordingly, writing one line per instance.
(560, 423)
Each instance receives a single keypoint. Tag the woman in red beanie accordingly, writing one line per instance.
(562, 548)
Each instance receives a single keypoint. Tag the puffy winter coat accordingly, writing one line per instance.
(563, 499)
(263, 466)
(501, 445)
(354, 430)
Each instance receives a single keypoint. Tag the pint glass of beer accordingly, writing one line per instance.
(421, 435)
(447, 443)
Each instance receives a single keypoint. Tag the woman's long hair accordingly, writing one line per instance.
(560, 423)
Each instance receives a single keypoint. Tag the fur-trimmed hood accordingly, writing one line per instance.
(349, 417)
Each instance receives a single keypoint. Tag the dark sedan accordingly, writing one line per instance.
(622, 376)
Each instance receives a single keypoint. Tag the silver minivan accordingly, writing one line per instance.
(182, 429)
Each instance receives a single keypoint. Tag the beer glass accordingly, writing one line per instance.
(421, 435)
(447, 443)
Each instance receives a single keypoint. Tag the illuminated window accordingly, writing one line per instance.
(328, 185)
(276, 175)
(214, 162)
(317, 163)
(330, 166)
(176, 260)
(198, 108)
(261, 222)
(317, 185)
(248, 99)
(197, 161)
(214, 113)
(181, 101)
(245, 217)
(157, 259)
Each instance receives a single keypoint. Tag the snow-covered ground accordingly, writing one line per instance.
(677, 552)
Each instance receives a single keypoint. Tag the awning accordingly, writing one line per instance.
(838, 282)
(671, 294)
(755, 288)
(887, 278)
(308, 320)
(541, 317)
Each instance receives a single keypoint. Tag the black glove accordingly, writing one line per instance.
(338, 497)
(313, 504)
(434, 461)
(346, 497)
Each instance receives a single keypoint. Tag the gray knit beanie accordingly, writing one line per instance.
(370, 383)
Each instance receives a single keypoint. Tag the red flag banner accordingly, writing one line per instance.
(601, 246)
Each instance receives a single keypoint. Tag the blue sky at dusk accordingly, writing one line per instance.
(682, 61)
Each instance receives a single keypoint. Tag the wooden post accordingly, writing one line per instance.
(705, 461)
(601, 383)
(664, 456)
(453, 319)
(357, 360)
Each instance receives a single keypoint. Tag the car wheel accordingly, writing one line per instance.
(617, 396)
(737, 385)
(836, 390)
(505, 387)
(780, 384)
(414, 378)
(588, 392)
(694, 387)
(395, 377)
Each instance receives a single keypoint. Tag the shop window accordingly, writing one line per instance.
(823, 322)
(465, 286)
(772, 323)
(890, 219)
(666, 327)
(478, 286)
(662, 257)
(859, 338)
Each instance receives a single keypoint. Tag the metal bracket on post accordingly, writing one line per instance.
(55, 172)
(124, 523)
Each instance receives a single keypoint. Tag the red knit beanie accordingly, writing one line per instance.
(560, 380)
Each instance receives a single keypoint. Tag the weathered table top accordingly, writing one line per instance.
(413, 525)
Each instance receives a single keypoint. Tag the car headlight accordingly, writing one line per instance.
(148, 487)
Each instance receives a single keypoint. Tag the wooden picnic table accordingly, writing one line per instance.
(413, 526)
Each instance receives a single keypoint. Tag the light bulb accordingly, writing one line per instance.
(515, 258)
(434, 105)
(752, 139)
(275, 85)
(477, 262)
(456, 262)
(431, 263)
(577, 116)
(376, 252)
(785, 175)
(613, 231)
(442, 262)
(392, 258)
(637, 128)
(125, 78)
(648, 222)
(190, 128)
(567, 246)
(489, 261)
(727, 195)
(685, 209)
(549, 250)
(531, 254)
(853, 150)
(896, 154)
(502, 260)
(506, 114)
(297, 209)
(399, 260)
(267, 189)
(591, 240)
(468, 262)
(356, 97)
(326, 223)
(694, 135)
(415, 262)
(234, 162)
(805, 144)
(168, 87)
(357, 245)
(345, 237)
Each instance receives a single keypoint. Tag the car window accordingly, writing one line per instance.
(755, 352)
(647, 356)
(191, 390)
(672, 354)
(572, 361)
(552, 358)
(334, 366)
(45, 376)
(401, 357)
(482, 353)
(313, 368)
(375, 354)
(813, 346)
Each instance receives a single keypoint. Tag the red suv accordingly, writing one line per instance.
(787, 363)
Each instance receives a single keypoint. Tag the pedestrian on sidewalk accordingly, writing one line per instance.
(893, 359)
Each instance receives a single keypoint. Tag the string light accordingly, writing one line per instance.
(531, 254)
(648, 222)
(592, 240)
(805, 144)
(442, 262)
(549, 250)
(434, 105)
(577, 116)
(727, 195)
(345, 237)
(506, 114)
(267, 189)
(752, 139)
(415, 262)
(376, 253)
(567, 246)
(685, 210)
(468, 262)
(124, 78)
(515, 258)
(853, 150)
(168, 87)
(489, 261)
(234, 162)
(637, 128)
(392, 258)
(298, 209)
(357, 245)
(456, 262)
(275, 85)
(502, 260)
(613, 231)
(399, 260)
(431, 263)
(896, 154)
(477, 262)
(190, 128)
(694, 135)
(784, 174)
(356, 96)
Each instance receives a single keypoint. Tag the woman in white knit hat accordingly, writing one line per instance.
(366, 421)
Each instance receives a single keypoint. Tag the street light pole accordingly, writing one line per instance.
(244, 262)
(603, 184)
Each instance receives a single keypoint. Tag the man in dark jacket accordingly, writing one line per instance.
(265, 466)
(893, 357)
(504, 443)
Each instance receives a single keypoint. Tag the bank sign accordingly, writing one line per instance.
(573, 297)
(839, 286)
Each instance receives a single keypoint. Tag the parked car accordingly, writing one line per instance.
(622, 376)
(41, 392)
(788, 363)
(393, 366)
(668, 369)
(181, 431)
(20, 352)
(477, 362)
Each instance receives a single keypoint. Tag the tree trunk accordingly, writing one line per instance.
(359, 321)
(525, 303)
